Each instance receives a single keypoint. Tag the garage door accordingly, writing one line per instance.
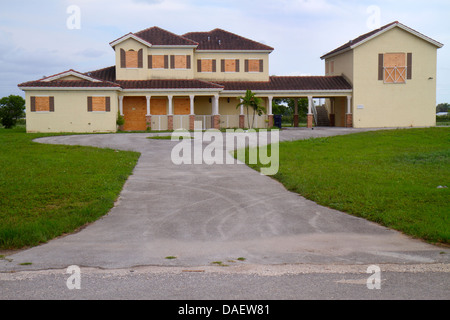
(134, 111)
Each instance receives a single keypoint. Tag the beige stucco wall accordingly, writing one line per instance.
(145, 73)
(71, 113)
(376, 104)
(343, 65)
(232, 76)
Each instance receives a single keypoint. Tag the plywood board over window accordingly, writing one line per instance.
(158, 106)
(254, 65)
(206, 65)
(42, 104)
(394, 67)
(158, 61)
(131, 58)
(230, 65)
(99, 104)
(180, 61)
(181, 106)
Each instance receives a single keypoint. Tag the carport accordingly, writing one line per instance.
(336, 91)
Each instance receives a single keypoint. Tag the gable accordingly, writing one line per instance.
(352, 44)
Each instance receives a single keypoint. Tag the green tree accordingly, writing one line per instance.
(286, 107)
(11, 109)
(251, 101)
(443, 107)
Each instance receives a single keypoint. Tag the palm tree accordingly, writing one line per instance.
(253, 102)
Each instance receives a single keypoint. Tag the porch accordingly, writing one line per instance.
(172, 112)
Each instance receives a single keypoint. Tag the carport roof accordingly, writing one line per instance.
(291, 83)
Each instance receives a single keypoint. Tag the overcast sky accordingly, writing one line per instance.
(42, 38)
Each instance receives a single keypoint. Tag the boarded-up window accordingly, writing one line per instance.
(254, 65)
(394, 65)
(42, 104)
(99, 104)
(180, 62)
(206, 65)
(158, 106)
(158, 62)
(230, 65)
(131, 58)
(181, 106)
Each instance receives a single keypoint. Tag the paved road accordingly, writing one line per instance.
(242, 282)
(207, 213)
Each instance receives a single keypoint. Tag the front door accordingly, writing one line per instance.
(134, 111)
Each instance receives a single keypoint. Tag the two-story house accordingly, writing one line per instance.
(392, 71)
(165, 81)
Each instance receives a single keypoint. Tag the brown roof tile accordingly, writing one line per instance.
(105, 74)
(168, 84)
(294, 83)
(160, 37)
(82, 83)
(358, 39)
(219, 39)
(67, 84)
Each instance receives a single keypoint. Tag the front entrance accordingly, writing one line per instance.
(134, 111)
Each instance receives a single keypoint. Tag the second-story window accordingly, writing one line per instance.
(131, 59)
(180, 61)
(395, 67)
(158, 62)
(229, 65)
(254, 65)
(206, 65)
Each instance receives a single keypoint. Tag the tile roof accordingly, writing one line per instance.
(168, 84)
(219, 39)
(292, 83)
(94, 82)
(160, 37)
(358, 39)
(366, 36)
(105, 74)
(107, 78)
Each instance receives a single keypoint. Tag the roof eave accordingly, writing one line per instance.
(128, 36)
(401, 26)
(29, 88)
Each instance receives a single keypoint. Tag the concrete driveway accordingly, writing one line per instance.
(206, 213)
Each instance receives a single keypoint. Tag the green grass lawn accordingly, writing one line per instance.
(50, 190)
(391, 177)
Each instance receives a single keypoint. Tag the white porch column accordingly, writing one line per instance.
(121, 105)
(241, 108)
(148, 105)
(170, 97)
(216, 105)
(310, 104)
(192, 97)
(349, 104)
(269, 109)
